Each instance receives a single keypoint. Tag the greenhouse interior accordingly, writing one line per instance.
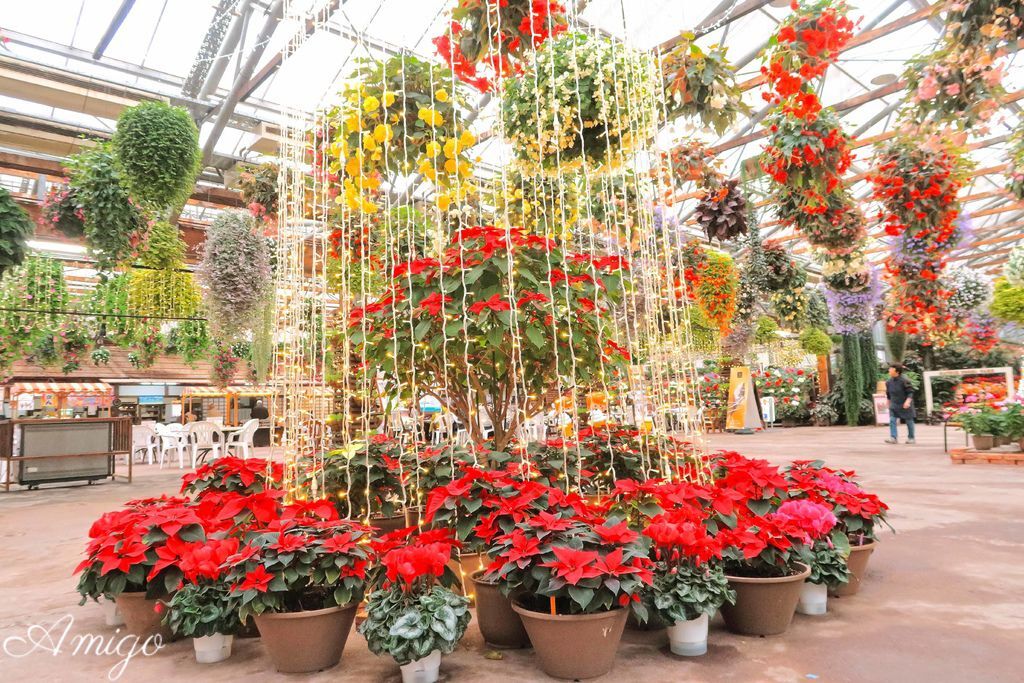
(512, 340)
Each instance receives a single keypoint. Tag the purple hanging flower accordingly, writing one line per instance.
(854, 311)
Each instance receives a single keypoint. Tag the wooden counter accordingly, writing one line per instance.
(61, 450)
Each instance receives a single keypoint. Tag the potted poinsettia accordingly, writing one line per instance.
(365, 479)
(301, 579)
(412, 613)
(859, 514)
(573, 579)
(125, 559)
(204, 608)
(229, 474)
(763, 551)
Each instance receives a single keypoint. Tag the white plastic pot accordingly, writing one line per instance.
(424, 670)
(111, 614)
(689, 638)
(813, 599)
(212, 649)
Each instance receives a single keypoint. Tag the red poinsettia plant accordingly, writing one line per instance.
(859, 513)
(301, 563)
(488, 40)
(562, 564)
(128, 549)
(229, 474)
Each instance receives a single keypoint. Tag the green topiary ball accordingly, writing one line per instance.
(15, 228)
(816, 342)
(157, 148)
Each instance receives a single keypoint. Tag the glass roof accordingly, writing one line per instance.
(158, 44)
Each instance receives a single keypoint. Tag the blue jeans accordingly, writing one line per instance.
(893, 421)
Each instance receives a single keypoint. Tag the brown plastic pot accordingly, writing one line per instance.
(464, 566)
(574, 646)
(500, 625)
(857, 563)
(303, 642)
(764, 606)
(140, 616)
(983, 442)
(385, 525)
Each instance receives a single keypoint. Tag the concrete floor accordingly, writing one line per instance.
(943, 600)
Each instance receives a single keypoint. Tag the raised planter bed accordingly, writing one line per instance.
(967, 456)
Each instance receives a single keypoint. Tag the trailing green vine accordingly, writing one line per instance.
(15, 228)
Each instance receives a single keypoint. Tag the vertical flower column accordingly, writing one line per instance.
(916, 179)
(806, 157)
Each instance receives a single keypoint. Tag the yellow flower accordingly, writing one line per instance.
(431, 117)
(443, 201)
(451, 166)
(451, 147)
(383, 133)
(371, 103)
(369, 143)
(353, 123)
(433, 149)
(389, 99)
(467, 139)
(441, 95)
(352, 166)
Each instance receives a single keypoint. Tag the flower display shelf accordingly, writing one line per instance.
(968, 456)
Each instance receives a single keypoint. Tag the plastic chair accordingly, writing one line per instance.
(172, 437)
(241, 441)
(201, 439)
(144, 438)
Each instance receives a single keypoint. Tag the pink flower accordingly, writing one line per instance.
(812, 519)
(928, 88)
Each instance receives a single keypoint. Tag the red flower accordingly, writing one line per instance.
(289, 543)
(620, 533)
(434, 303)
(258, 580)
(573, 565)
(496, 303)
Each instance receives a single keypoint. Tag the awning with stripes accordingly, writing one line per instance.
(67, 388)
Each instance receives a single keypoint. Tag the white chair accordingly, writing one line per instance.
(172, 437)
(533, 430)
(241, 441)
(201, 439)
(444, 428)
(144, 439)
(485, 423)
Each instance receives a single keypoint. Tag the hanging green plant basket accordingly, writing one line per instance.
(157, 148)
(15, 228)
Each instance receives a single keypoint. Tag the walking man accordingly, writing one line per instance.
(901, 403)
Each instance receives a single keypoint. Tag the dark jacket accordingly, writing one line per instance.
(898, 389)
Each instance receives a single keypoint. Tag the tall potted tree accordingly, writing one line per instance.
(491, 324)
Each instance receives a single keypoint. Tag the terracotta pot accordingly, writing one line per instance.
(500, 625)
(764, 606)
(140, 616)
(1001, 441)
(574, 646)
(303, 642)
(983, 442)
(858, 565)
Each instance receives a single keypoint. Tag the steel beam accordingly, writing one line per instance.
(227, 107)
(115, 25)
